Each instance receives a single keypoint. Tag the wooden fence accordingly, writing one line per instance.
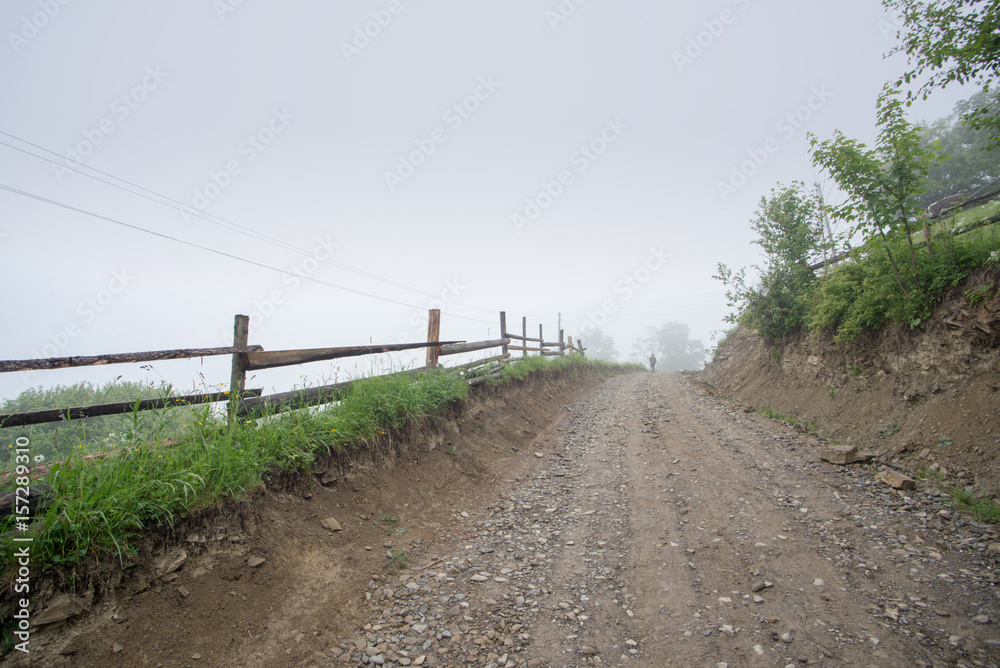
(953, 209)
(246, 358)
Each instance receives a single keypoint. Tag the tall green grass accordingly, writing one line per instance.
(100, 505)
(863, 294)
(57, 440)
(524, 367)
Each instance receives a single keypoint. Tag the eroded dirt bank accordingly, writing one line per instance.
(641, 523)
(916, 398)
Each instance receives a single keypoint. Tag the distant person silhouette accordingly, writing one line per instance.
(652, 362)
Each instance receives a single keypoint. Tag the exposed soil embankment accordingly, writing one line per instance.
(251, 576)
(917, 398)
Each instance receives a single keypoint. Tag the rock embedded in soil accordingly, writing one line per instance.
(332, 524)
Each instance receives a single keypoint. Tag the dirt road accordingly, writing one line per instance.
(648, 524)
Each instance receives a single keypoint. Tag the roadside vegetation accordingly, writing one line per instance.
(59, 440)
(900, 264)
(889, 261)
(142, 479)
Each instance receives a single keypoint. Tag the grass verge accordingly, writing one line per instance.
(99, 506)
(983, 509)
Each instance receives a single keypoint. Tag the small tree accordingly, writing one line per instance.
(953, 41)
(884, 184)
(600, 346)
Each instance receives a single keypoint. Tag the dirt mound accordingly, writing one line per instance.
(918, 398)
(388, 499)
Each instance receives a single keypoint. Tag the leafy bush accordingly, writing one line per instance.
(863, 293)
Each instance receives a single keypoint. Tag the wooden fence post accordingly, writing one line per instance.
(562, 343)
(541, 341)
(503, 330)
(524, 333)
(579, 345)
(238, 379)
(433, 334)
(569, 339)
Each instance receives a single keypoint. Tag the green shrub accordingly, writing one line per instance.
(863, 294)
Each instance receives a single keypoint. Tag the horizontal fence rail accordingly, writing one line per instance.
(971, 204)
(246, 358)
(280, 358)
(120, 358)
(120, 408)
(459, 348)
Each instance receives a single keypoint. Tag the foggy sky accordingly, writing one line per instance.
(586, 158)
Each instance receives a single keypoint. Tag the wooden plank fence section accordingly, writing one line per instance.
(120, 408)
(561, 346)
(480, 380)
(314, 396)
(478, 363)
(279, 358)
(459, 348)
(960, 204)
(247, 358)
(840, 257)
(522, 338)
(120, 358)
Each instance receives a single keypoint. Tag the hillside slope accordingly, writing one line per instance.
(916, 398)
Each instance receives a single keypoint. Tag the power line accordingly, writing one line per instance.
(213, 250)
(213, 219)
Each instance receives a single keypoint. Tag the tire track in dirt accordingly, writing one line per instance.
(738, 580)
